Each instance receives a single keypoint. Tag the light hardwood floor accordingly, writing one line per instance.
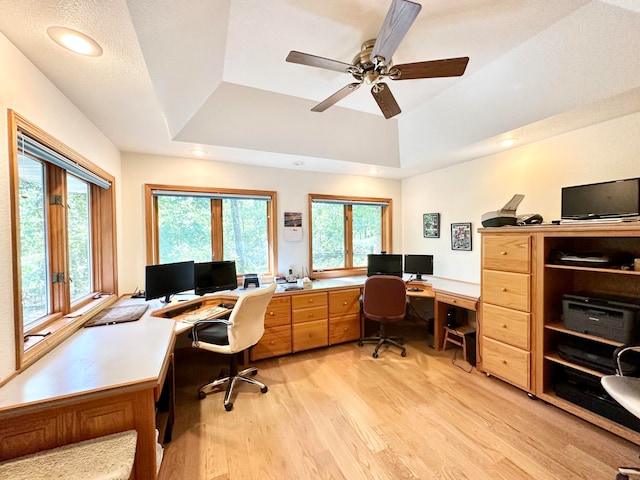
(337, 413)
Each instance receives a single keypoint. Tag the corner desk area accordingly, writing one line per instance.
(112, 378)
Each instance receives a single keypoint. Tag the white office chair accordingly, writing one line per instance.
(625, 391)
(242, 330)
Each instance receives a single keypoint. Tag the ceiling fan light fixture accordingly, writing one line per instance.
(75, 41)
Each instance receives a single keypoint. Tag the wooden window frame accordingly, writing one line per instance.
(151, 219)
(348, 202)
(65, 317)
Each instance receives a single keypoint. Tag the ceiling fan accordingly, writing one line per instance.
(373, 63)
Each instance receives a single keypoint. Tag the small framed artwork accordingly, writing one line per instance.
(461, 236)
(431, 225)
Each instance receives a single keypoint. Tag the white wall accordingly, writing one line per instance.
(462, 193)
(26, 90)
(292, 188)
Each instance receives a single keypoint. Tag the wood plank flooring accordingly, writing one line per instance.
(338, 413)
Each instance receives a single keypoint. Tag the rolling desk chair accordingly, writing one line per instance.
(384, 300)
(242, 330)
(625, 391)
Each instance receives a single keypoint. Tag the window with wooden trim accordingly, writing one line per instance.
(344, 230)
(204, 224)
(63, 236)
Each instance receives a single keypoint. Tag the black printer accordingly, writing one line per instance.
(610, 317)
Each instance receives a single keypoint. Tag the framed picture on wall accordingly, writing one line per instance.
(461, 236)
(431, 225)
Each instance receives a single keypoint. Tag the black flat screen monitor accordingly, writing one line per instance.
(602, 200)
(215, 276)
(418, 265)
(384, 264)
(167, 279)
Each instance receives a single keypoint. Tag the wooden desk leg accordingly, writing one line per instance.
(439, 322)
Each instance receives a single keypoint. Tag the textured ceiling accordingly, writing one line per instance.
(211, 73)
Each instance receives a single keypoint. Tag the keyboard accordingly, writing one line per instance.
(205, 314)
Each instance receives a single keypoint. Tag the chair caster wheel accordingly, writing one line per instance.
(264, 390)
(360, 343)
(374, 354)
(228, 407)
(202, 395)
(403, 354)
(621, 476)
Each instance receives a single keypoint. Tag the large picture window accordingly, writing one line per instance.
(344, 230)
(202, 224)
(63, 236)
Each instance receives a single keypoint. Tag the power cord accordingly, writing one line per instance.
(455, 358)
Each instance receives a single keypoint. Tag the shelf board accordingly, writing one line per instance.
(592, 269)
(555, 358)
(558, 327)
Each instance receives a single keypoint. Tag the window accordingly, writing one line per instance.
(64, 235)
(202, 224)
(344, 230)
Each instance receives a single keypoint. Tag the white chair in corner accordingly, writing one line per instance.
(242, 330)
(625, 391)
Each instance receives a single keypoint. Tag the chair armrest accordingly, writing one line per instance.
(617, 355)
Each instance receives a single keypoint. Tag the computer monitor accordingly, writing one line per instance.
(384, 264)
(418, 265)
(215, 276)
(167, 279)
(601, 200)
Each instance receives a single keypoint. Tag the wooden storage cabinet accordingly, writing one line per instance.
(506, 308)
(276, 340)
(566, 279)
(310, 321)
(344, 315)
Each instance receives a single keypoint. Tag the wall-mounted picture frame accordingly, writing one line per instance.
(431, 225)
(461, 236)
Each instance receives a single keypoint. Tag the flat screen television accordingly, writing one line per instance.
(418, 265)
(619, 198)
(215, 276)
(384, 264)
(167, 279)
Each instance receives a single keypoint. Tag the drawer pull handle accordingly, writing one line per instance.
(503, 325)
(311, 300)
(503, 253)
(272, 342)
(311, 315)
(271, 313)
(503, 289)
(504, 362)
(344, 303)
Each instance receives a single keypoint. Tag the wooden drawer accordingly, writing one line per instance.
(507, 252)
(507, 362)
(505, 325)
(308, 300)
(278, 312)
(511, 290)
(310, 335)
(309, 314)
(344, 329)
(457, 301)
(344, 302)
(275, 341)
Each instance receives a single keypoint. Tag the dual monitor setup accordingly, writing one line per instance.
(167, 279)
(392, 264)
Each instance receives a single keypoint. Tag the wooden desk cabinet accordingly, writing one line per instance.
(310, 320)
(506, 308)
(344, 315)
(276, 340)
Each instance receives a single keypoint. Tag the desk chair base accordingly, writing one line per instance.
(381, 338)
(231, 379)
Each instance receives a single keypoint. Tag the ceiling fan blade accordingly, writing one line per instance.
(396, 24)
(336, 97)
(315, 61)
(451, 67)
(385, 100)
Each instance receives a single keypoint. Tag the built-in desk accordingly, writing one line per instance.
(101, 380)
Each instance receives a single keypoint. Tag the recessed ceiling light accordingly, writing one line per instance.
(75, 41)
(374, 171)
(198, 152)
(507, 142)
